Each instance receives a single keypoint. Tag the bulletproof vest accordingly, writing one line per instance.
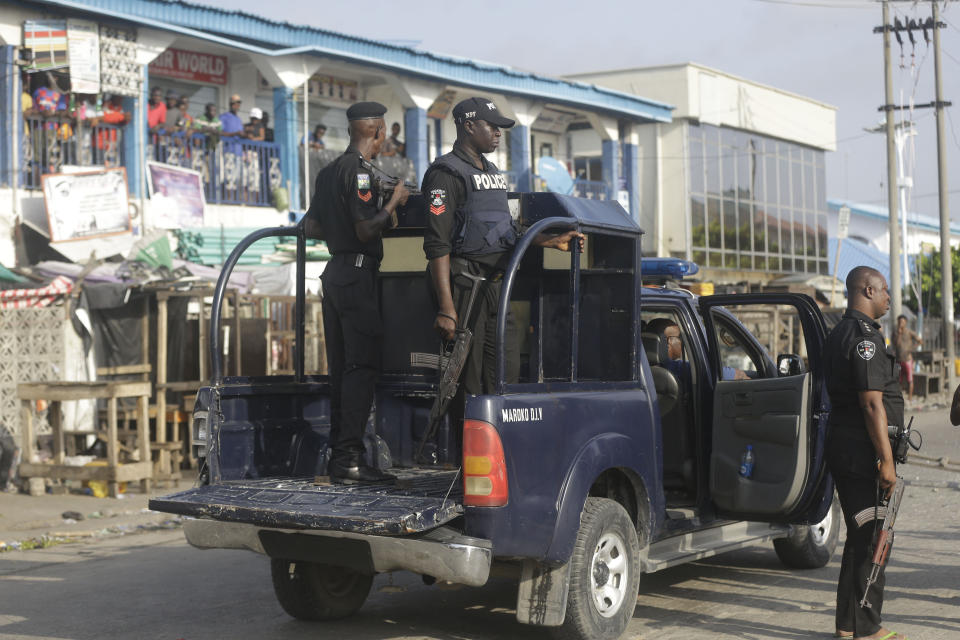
(484, 225)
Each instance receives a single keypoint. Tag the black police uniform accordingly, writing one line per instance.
(468, 218)
(345, 194)
(858, 360)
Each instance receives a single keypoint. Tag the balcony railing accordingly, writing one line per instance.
(234, 170)
(49, 143)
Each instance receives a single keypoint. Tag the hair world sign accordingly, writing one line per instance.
(190, 65)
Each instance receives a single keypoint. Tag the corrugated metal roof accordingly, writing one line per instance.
(915, 220)
(270, 37)
(855, 253)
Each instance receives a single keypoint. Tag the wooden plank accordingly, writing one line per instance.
(124, 370)
(143, 439)
(162, 336)
(186, 385)
(82, 390)
(26, 426)
(55, 418)
(122, 473)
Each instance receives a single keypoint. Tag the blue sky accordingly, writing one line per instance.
(823, 49)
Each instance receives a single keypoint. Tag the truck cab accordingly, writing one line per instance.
(616, 453)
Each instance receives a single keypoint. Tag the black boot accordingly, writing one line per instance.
(343, 472)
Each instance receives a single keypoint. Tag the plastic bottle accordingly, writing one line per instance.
(747, 461)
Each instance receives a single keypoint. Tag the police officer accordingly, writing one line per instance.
(469, 230)
(864, 388)
(345, 209)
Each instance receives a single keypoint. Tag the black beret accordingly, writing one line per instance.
(365, 111)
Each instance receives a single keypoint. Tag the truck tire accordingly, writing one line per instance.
(811, 546)
(604, 574)
(312, 591)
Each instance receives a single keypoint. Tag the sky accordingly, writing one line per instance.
(822, 49)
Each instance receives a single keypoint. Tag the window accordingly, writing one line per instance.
(737, 355)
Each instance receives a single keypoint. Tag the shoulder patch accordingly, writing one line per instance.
(363, 182)
(866, 350)
(438, 201)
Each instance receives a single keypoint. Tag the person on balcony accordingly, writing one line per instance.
(231, 124)
(267, 130)
(107, 137)
(209, 124)
(184, 119)
(170, 125)
(393, 146)
(254, 130)
(156, 110)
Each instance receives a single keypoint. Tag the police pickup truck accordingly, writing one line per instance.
(617, 453)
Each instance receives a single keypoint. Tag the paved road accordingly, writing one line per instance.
(155, 586)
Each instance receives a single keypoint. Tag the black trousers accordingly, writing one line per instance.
(853, 464)
(354, 339)
(480, 369)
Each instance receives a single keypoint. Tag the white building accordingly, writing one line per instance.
(736, 182)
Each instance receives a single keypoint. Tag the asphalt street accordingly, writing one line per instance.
(154, 585)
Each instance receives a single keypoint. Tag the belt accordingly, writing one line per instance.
(492, 274)
(358, 260)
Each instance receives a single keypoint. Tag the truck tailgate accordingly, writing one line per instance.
(420, 500)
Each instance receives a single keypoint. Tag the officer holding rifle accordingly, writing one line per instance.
(469, 231)
(863, 384)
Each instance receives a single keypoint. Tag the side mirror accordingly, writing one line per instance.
(789, 364)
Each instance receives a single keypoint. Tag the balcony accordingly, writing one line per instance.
(50, 143)
(234, 170)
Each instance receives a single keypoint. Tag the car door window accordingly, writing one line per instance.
(738, 356)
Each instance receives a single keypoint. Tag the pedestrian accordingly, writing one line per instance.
(345, 207)
(466, 198)
(865, 397)
(905, 341)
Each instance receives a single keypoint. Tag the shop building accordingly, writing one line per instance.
(301, 76)
(736, 182)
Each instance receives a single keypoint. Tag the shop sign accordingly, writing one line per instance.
(48, 39)
(190, 65)
(83, 45)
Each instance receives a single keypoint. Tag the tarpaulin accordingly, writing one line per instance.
(40, 297)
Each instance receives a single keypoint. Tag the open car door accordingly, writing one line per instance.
(766, 358)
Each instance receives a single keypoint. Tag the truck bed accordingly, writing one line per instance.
(420, 500)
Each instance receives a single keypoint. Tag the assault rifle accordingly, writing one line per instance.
(452, 357)
(883, 540)
(384, 183)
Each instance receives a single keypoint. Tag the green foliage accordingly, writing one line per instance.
(930, 283)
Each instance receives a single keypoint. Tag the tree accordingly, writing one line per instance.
(930, 283)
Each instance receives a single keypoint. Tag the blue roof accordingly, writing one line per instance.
(270, 37)
(915, 220)
(854, 254)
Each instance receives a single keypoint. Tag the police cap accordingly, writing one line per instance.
(365, 111)
(480, 109)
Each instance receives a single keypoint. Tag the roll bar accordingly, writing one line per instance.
(216, 360)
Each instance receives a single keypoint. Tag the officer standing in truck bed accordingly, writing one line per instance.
(345, 210)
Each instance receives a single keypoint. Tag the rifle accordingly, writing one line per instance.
(884, 539)
(384, 183)
(453, 355)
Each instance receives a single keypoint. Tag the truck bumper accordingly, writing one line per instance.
(442, 553)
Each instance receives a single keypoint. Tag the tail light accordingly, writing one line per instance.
(484, 467)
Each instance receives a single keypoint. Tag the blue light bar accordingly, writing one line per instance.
(668, 267)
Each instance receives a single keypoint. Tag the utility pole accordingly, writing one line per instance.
(896, 292)
(946, 261)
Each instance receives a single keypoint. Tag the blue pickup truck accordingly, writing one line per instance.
(617, 453)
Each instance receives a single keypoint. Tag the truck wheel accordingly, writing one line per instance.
(811, 546)
(604, 573)
(312, 591)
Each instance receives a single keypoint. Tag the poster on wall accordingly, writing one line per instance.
(190, 65)
(48, 40)
(86, 205)
(176, 196)
(83, 48)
